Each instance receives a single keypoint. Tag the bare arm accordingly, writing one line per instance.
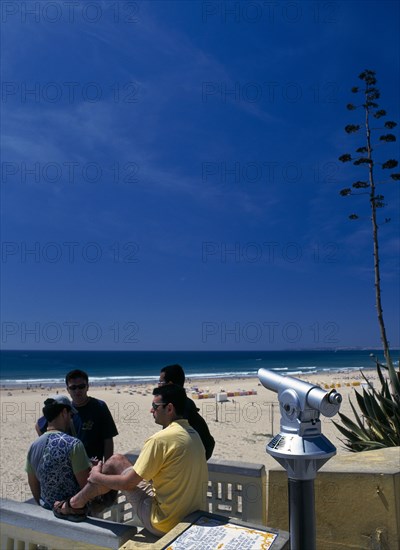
(108, 448)
(82, 477)
(34, 486)
(118, 482)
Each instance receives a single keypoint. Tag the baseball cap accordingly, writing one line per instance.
(64, 400)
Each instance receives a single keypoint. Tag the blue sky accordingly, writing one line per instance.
(170, 176)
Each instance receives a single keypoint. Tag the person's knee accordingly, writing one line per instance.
(116, 464)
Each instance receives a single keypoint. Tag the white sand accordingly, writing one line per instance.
(243, 429)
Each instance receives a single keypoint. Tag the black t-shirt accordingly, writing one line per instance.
(200, 425)
(93, 424)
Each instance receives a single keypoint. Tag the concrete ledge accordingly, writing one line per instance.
(33, 524)
(357, 501)
(246, 469)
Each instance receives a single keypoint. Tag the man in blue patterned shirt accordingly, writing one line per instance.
(57, 463)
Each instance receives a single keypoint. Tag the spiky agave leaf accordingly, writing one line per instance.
(349, 431)
(381, 412)
(361, 403)
(371, 445)
(394, 381)
(370, 407)
(355, 442)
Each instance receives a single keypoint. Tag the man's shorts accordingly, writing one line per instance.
(141, 500)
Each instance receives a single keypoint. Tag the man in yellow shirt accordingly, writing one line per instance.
(168, 480)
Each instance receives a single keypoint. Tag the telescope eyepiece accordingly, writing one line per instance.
(334, 397)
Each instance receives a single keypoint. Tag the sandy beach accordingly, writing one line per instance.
(242, 426)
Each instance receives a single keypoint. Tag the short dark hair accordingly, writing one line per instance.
(76, 373)
(171, 393)
(52, 409)
(174, 374)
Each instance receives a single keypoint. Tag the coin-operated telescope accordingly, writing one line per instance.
(300, 447)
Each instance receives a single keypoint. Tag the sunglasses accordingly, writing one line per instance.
(156, 405)
(77, 387)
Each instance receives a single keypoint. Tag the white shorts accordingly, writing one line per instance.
(141, 500)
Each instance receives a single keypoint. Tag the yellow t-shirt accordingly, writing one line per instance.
(174, 460)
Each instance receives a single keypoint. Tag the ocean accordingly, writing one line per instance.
(107, 367)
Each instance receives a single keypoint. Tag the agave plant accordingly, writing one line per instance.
(378, 425)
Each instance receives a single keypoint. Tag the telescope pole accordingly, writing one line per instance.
(301, 448)
(302, 514)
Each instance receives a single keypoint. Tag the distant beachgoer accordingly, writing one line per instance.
(93, 424)
(168, 480)
(57, 464)
(174, 374)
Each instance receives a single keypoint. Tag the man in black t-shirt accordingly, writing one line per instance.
(174, 374)
(93, 424)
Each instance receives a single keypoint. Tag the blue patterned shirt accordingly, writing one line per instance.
(54, 458)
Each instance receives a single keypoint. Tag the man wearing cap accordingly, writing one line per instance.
(93, 424)
(57, 463)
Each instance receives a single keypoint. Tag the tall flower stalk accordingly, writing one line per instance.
(378, 425)
(366, 158)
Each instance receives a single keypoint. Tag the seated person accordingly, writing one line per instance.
(174, 374)
(168, 480)
(93, 423)
(57, 463)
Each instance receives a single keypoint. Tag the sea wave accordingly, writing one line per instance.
(48, 368)
(151, 379)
